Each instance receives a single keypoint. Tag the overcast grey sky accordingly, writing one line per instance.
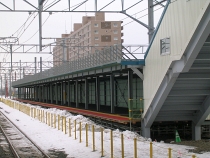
(60, 23)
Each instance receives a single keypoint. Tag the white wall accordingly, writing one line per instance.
(179, 23)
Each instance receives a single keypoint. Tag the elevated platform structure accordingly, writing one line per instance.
(102, 82)
(176, 72)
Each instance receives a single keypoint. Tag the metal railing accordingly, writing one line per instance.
(107, 55)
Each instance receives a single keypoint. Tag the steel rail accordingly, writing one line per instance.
(15, 154)
(45, 155)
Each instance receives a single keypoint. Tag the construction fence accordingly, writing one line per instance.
(96, 137)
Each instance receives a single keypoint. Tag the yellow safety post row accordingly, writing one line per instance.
(47, 118)
(62, 123)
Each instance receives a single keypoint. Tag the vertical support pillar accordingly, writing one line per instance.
(20, 69)
(61, 91)
(24, 89)
(40, 4)
(145, 131)
(105, 93)
(69, 93)
(97, 93)
(112, 93)
(196, 132)
(40, 65)
(43, 93)
(35, 65)
(130, 84)
(64, 93)
(29, 93)
(10, 85)
(76, 93)
(86, 93)
(51, 93)
(150, 19)
(56, 93)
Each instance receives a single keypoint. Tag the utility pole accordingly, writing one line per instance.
(1, 85)
(150, 19)
(35, 64)
(20, 69)
(40, 4)
(10, 89)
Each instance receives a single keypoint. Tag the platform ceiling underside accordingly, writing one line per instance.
(190, 90)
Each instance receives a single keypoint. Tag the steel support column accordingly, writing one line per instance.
(150, 19)
(51, 93)
(69, 93)
(130, 84)
(56, 93)
(97, 93)
(86, 93)
(61, 92)
(76, 94)
(196, 132)
(112, 93)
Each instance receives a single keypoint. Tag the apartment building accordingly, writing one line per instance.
(90, 36)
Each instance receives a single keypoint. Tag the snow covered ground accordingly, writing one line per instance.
(52, 139)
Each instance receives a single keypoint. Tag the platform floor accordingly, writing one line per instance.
(89, 113)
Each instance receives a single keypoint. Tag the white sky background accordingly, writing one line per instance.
(60, 23)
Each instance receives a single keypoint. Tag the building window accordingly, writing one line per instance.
(115, 25)
(165, 46)
(96, 38)
(115, 32)
(96, 44)
(115, 38)
(96, 31)
(95, 25)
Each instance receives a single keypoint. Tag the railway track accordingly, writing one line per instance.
(14, 143)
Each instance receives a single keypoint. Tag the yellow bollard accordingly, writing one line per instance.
(58, 122)
(135, 148)
(75, 132)
(102, 142)
(151, 150)
(34, 112)
(64, 125)
(169, 153)
(46, 117)
(86, 127)
(69, 127)
(93, 132)
(80, 132)
(41, 115)
(111, 143)
(193, 156)
(122, 145)
(54, 120)
(51, 119)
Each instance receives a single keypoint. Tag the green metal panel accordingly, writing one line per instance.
(92, 91)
